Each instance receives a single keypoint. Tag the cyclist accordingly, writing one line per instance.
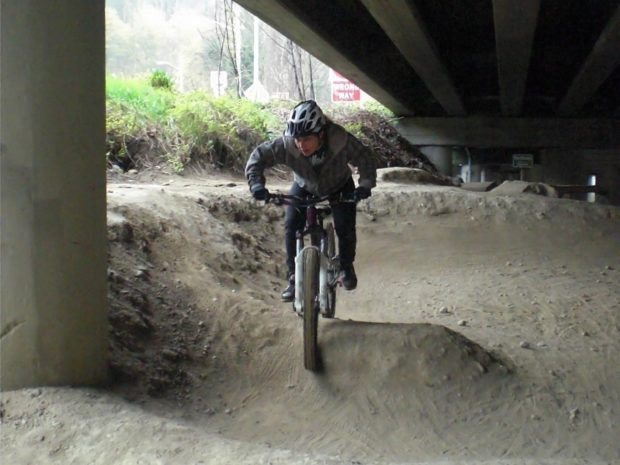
(320, 153)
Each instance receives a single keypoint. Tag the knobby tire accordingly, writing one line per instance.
(310, 306)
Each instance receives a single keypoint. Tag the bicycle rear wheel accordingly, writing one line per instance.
(310, 303)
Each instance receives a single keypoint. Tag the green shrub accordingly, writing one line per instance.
(148, 124)
(138, 96)
(354, 127)
(376, 108)
(160, 80)
(134, 113)
(221, 130)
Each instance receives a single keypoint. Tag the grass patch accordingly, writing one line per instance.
(148, 124)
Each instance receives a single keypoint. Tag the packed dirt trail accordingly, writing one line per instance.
(485, 329)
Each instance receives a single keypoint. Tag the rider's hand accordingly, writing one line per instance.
(259, 192)
(361, 193)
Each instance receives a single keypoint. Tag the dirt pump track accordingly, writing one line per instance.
(485, 329)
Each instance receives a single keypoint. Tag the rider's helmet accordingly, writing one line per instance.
(305, 119)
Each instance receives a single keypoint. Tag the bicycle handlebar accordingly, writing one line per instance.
(287, 199)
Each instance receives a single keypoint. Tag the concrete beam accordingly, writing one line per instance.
(53, 319)
(277, 15)
(512, 132)
(403, 24)
(603, 59)
(515, 26)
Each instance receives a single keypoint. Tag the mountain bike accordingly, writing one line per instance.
(317, 268)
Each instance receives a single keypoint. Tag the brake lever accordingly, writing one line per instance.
(274, 199)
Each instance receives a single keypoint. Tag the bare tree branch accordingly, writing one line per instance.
(300, 91)
(300, 66)
(229, 21)
(310, 74)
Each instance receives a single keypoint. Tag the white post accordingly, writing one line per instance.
(256, 81)
(256, 91)
(237, 12)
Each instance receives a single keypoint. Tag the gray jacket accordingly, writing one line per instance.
(342, 149)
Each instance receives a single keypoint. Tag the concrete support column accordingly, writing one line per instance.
(440, 156)
(476, 173)
(53, 316)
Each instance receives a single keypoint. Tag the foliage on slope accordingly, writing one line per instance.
(149, 124)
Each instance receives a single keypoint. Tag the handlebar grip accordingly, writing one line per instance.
(274, 199)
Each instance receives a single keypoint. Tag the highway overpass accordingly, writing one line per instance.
(480, 80)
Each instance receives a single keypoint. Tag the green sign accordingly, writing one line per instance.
(522, 160)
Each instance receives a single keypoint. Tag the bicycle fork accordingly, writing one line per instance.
(324, 284)
(323, 280)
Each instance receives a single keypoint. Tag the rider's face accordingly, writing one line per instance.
(309, 144)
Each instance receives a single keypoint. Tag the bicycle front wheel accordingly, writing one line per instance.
(310, 260)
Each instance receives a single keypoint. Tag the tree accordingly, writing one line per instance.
(295, 70)
(229, 37)
(190, 38)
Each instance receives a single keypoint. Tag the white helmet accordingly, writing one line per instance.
(306, 118)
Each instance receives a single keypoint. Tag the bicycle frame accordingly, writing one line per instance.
(319, 240)
(317, 260)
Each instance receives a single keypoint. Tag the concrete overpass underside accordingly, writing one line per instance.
(500, 73)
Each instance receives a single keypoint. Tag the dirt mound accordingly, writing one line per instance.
(413, 175)
(518, 187)
(160, 335)
(483, 330)
(151, 151)
(155, 327)
(167, 267)
(389, 147)
(401, 358)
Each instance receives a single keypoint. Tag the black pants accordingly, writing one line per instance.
(344, 223)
